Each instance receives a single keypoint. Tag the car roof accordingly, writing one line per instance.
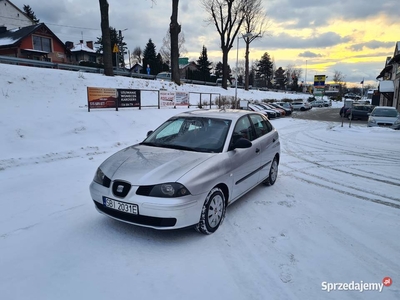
(231, 114)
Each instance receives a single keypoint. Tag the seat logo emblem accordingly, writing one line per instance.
(120, 188)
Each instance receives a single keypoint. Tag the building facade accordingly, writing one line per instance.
(32, 42)
(12, 17)
(389, 80)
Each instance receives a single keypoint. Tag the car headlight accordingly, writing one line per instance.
(164, 190)
(371, 120)
(396, 122)
(102, 179)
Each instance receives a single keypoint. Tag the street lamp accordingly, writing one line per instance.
(249, 34)
(305, 77)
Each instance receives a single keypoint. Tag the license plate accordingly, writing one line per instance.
(121, 206)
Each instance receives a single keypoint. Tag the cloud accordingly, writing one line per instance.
(374, 44)
(301, 30)
(315, 14)
(287, 41)
(309, 54)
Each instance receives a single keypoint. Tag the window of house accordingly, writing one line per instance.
(92, 58)
(41, 43)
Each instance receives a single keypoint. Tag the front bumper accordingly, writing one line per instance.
(157, 213)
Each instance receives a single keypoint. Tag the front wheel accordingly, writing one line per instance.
(213, 212)
(273, 173)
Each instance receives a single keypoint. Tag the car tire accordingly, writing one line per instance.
(213, 212)
(273, 173)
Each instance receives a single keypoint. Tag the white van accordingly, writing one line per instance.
(163, 76)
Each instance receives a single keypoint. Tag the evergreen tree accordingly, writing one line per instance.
(219, 69)
(160, 66)
(150, 58)
(29, 12)
(265, 68)
(280, 77)
(204, 65)
(116, 39)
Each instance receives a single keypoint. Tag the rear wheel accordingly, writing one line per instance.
(213, 212)
(273, 173)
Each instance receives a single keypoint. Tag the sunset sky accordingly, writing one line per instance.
(319, 37)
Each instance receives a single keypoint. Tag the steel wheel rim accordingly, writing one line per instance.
(215, 211)
(274, 171)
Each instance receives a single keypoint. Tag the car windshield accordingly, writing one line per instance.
(384, 112)
(190, 133)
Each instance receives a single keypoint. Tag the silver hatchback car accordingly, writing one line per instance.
(384, 116)
(188, 170)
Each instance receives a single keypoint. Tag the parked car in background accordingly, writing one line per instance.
(197, 163)
(279, 112)
(163, 76)
(219, 82)
(384, 116)
(286, 105)
(352, 96)
(271, 114)
(301, 105)
(320, 103)
(288, 111)
(359, 112)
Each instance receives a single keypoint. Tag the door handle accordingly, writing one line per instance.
(273, 140)
(257, 150)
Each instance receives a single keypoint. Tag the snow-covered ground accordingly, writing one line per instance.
(332, 217)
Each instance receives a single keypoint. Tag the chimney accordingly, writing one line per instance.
(80, 41)
(89, 44)
(69, 45)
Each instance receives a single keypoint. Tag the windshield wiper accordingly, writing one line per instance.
(178, 147)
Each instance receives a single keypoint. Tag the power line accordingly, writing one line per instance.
(69, 26)
(77, 27)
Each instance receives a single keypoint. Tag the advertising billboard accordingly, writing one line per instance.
(101, 97)
(128, 98)
(112, 98)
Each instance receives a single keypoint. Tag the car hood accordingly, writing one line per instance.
(146, 165)
(388, 120)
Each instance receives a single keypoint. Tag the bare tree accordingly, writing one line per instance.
(105, 32)
(165, 50)
(255, 25)
(175, 29)
(338, 78)
(293, 74)
(292, 71)
(227, 16)
(137, 54)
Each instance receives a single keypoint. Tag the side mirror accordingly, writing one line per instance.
(149, 132)
(242, 143)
